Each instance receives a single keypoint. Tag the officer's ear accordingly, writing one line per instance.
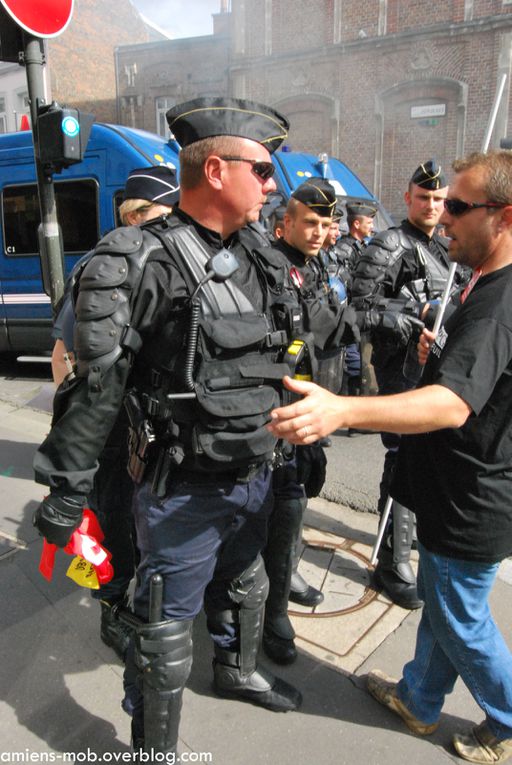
(407, 198)
(214, 171)
(506, 216)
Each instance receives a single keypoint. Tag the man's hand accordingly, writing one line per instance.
(314, 416)
(57, 517)
(425, 343)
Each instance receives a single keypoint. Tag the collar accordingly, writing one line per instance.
(212, 238)
(295, 256)
(411, 230)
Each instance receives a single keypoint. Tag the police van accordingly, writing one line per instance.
(88, 195)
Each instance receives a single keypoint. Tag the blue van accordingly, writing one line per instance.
(88, 195)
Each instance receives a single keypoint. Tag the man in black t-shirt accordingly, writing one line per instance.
(453, 469)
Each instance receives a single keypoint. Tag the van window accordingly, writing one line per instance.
(77, 212)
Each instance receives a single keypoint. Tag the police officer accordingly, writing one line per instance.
(348, 249)
(306, 221)
(360, 221)
(404, 267)
(149, 192)
(177, 312)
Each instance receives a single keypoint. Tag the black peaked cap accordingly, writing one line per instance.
(361, 208)
(210, 117)
(318, 195)
(429, 176)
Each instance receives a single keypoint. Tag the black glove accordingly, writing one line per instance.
(392, 325)
(57, 517)
(311, 466)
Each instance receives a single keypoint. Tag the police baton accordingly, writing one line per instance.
(435, 330)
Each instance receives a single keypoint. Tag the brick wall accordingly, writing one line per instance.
(81, 60)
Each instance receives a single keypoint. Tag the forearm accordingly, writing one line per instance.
(320, 413)
(418, 411)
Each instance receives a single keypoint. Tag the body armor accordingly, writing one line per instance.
(207, 380)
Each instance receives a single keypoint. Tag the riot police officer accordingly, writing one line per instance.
(329, 324)
(405, 267)
(176, 315)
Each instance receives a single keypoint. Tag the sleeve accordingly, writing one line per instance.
(373, 276)
(67, 458)
(475, 356)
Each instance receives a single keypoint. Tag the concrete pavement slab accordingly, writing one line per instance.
(60, 687)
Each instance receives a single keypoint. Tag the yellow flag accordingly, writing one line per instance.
(83, 573)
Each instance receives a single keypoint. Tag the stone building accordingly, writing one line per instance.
(155, 76)
(382, 84)
(81, 64)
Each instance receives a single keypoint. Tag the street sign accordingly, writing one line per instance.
(45, 18)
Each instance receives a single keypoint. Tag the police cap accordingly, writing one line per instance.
(157, 184)
(429, 176)
(338, 213)
(318, 195)
(210, 117)
(361, 208)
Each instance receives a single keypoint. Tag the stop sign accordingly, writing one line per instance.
(43, 18)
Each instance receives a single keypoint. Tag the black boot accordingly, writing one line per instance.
(300, 591)
(236, 674)
(258, 686)
(394, 572)
(114, 633)
(283, 533)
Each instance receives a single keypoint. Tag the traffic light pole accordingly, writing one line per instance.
(50, 244)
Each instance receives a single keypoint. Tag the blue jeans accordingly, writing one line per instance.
(458, 636)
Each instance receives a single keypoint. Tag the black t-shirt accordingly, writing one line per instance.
(459, 480)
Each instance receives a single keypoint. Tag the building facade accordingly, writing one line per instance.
(382, 84)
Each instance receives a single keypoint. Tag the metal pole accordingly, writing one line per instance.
(382, 527)
(52, 258)
(494, 114)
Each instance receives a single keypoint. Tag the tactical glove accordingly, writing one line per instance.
(392, 325)
(57, 517)
(311, 468)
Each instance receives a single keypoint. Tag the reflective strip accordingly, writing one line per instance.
(17, 299)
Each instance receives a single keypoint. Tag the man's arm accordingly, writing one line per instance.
(319, 413)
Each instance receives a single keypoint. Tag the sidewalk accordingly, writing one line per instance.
(61, 687)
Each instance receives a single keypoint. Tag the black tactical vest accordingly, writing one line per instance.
(210, 397)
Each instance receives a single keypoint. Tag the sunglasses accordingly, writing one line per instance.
(457, 207)
(263, 170)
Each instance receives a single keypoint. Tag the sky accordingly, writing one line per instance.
(180, 18)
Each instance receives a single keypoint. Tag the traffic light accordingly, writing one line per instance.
(62, 135)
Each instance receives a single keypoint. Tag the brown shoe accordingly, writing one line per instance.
(481, 746)
(383, 688)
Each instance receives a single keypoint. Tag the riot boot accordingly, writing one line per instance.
(300, 591)
(114, 632)
(394, 572)
(283, 533)
(236, 673)
(163, 659)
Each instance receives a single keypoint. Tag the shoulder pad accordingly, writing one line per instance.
(389, 240)
(120, 241)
